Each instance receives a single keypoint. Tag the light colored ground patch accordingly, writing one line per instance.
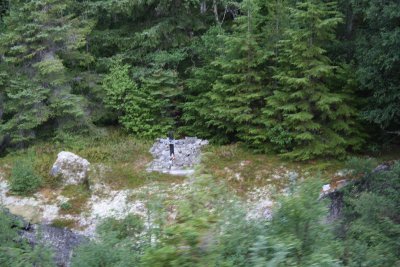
(105, 202)
(260, 202)
(44, 206)
(33, 209)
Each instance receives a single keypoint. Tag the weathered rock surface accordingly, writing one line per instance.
(30, 213)
(62, 241)
(187, 154)
(71, 168)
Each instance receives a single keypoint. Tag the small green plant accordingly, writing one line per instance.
(23, 178)
(66, 206)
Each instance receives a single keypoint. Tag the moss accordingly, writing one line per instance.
(78, 196)
(63, 223)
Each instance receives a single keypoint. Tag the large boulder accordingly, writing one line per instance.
(71, 168)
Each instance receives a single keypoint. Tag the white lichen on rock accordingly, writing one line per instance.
(71, 168)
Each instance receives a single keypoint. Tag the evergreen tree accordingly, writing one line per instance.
(197, 106)
(41, 39)
(143, 106)
(377, 53)
(237, 96)
(371, 230)
(153, 38)
(17, 252)
(306, 116)
(233, 103)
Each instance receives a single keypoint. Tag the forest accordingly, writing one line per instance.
(304, 79)
(301, 80)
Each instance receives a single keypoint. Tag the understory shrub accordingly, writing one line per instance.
(23, 178)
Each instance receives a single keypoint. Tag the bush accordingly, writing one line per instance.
(118, 244)
(372, 217)
(23, 178)
(131, 226)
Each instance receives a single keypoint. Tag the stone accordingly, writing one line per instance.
(30, 213)
(326, 188)
(61, 241)
(187, 154)
(71, 168)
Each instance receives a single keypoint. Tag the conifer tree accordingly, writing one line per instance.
(377, 45)
(307, 116)
(144, 107)
(199, 83)
(236, 96)
(41, 39)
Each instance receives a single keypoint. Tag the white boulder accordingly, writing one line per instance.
(71, 168)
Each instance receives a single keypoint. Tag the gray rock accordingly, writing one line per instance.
(71, 168)
(187, 154)
(61, 240)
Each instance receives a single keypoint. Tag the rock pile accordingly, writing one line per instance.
(187, 154)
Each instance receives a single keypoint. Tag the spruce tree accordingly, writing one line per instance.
(237, 95)
(144, 106)
(154, 38)
(307, 116)
(41, 39)
(377, 45)
(196, 106)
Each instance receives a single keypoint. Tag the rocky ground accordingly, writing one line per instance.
(47, 208)
(104, 202)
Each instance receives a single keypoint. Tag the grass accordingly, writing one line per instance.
(125, 157)
(78, 196)
(242, 169)
(63, 223)
(124, 160)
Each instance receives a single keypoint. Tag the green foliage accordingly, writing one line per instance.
(371, 221)
(118, 244)
(130, 226)
(297, 234)
(143, 109)
(66, 206)
(196, 108)
(284, 76)
(41, 40)
(212, 229)
(17, 252)
(312, 117)
(23, 179)
(376, 45)
(237, 94)
(189, 241)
